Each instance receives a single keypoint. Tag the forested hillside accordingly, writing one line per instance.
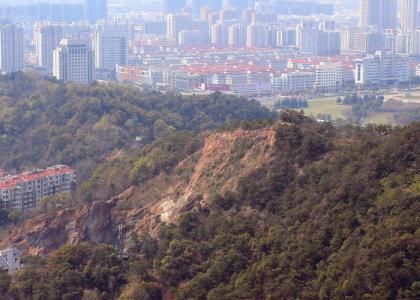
(43, 122)
(287, 210)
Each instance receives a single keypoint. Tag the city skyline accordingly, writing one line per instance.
(95, 46)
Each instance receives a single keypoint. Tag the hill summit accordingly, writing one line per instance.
(291, 209)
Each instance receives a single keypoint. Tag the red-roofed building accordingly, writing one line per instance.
(25, 190)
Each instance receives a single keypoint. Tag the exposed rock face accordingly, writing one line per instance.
(95, 222)
(215, 168)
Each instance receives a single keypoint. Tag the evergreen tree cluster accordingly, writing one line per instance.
(333, 214)
(291, 103)
(43, 122)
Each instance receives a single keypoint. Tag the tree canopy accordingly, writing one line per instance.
(43, 122)
(334, 214)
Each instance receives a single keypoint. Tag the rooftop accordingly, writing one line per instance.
(9, 182)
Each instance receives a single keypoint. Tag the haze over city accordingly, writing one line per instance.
(209, 149)
(266, 50)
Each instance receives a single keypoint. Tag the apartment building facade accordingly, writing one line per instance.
(11, 48)
(73, 61)
(382, 68)
(25, 190)
(10, 260)
(46, 37)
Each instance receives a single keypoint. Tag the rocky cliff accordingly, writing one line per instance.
(215, 168)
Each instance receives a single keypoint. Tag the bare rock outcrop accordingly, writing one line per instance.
(223, 160)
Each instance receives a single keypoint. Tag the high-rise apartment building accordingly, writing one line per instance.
(270, 36)
(73, 61)
(286, 37)
(382, 68)
(329, 43)
(76, 29)
(368, 42)
(369, 13)
(46, 38)
(211, 4)
(155, 28)
(308, 39)
(255, 35)
(356, 40)
(219, 34)
(237, 35)
(229, 14)
(204, 27)
(388, 9)
(11, 48)
(190, 38)
(348, 38)
(174, 6)
(110, 45)
(311, 40)
(379, 14)
(96, 10)
(242, 4)
(413, 44)
(408, 15)
(197, 5)
(264, 17)
(177, 23)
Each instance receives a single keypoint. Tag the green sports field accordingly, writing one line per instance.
(326, 106)
(339, 111)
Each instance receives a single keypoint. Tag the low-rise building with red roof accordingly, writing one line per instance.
(25, 190)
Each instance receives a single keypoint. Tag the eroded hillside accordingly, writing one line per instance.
(216, 167)
(291, 210)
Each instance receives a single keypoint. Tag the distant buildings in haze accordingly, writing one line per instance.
(47, 38)
(190, 45)
(96, 10)
(11, 47)
(73, 61)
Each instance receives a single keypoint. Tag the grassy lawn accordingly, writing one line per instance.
(339, 111)
(326, 106)
(381, 118)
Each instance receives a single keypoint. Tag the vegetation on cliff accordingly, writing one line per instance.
(329, 213)
(43, 122)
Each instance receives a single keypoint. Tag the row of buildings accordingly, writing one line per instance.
(59, 11)
(78, 59)
(82, 59)
(382, 14)
(72, 58)
(25, 190)
(266, 73)
(285, 7)
(165, 48)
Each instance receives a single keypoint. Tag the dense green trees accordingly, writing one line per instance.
(5, 280)
(347, 228)
(43, 122)
(291, 103)
(71, 273)
(406, 117)
(333, 215)
(362, 105)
